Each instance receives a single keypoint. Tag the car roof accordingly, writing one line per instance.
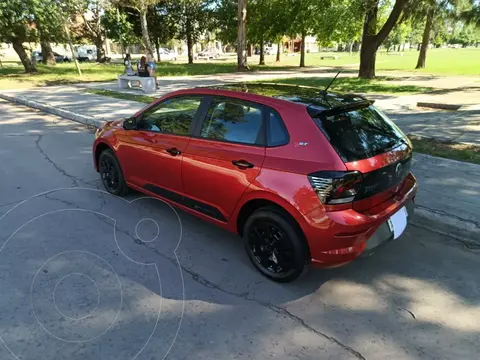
(316, 99)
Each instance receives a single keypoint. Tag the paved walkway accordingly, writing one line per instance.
(461, 126)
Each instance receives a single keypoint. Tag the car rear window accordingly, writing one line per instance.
(361, 133)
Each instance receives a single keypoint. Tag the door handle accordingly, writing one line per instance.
(242, 164)
(174, 151)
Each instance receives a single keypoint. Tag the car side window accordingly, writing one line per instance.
(173, 116)
(276, 131)
(234, 121)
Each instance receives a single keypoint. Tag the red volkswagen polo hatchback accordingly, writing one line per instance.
(304, 176)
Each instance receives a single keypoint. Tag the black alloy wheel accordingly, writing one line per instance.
(111, 173)
(270, 248)
(275, 247)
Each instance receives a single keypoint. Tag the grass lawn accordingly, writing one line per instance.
(446, 149)
(378, 86)
(439, 61)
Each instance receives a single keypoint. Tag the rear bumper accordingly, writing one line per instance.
(340, 237)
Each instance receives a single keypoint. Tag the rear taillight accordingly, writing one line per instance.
(336, 187)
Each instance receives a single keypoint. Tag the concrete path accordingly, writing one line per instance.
(71, 290)
(461, 126)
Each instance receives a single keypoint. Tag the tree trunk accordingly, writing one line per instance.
(100, 49)
(371, 41)
(189, 45)
(368, 54)
(48, 57)
(279, 49)
(425, 40)
(22, 54)
(145, 37)
(262, 52)
(398, 48)
(157, 45)
(302, 49)
(241, 35)
(368, 51)
(403, 47)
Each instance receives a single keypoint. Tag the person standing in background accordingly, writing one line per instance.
(152, 67)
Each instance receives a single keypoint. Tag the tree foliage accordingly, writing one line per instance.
(16, 27)
(118, 27)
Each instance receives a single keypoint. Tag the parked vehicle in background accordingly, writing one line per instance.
(59, 58)
(306, 177)
(167, 55)
(268, 50)
(210, 53)
(86, 53)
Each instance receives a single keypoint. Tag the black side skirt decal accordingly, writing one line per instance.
(196, 205)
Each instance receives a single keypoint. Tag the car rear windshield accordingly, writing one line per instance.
(361, 133)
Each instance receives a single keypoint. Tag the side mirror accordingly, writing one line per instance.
(130, 124)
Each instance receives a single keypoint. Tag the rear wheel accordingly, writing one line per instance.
(111, 173)
(275, 246)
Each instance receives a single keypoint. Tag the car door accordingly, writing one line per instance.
(152, 153)
(224, 156)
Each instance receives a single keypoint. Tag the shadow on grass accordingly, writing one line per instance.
(378, 85)
(117, 95)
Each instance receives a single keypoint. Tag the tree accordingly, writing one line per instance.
(48, 19)
(118, 28)
(348, 13)
(142, 7)
(163, 26)
(16, 27)
(241, 35)
(92, 26)
(193, 18)
(308, 14)
(397, 36)
(224, 14)
(472, 16)
(373, 38)
(429, 12)
(268, 21)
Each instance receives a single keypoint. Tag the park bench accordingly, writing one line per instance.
(148, 83)
(329, 57)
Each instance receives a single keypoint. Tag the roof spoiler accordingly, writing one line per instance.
(315, 111)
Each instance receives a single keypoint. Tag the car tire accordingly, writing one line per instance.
(111, 173)
(292, 245)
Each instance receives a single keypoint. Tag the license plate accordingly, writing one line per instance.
(398, 222)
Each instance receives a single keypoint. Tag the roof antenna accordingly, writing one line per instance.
(331, 82)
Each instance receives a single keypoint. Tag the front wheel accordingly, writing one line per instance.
(275, 246)
(111, 173)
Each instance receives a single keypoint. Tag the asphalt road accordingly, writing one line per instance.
(85, 275)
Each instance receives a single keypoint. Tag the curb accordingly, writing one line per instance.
(447, 224)
(82, 119)
(439, 106)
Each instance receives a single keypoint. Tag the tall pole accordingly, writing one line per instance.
(241, 35)
(67, 32)
(120, 32)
